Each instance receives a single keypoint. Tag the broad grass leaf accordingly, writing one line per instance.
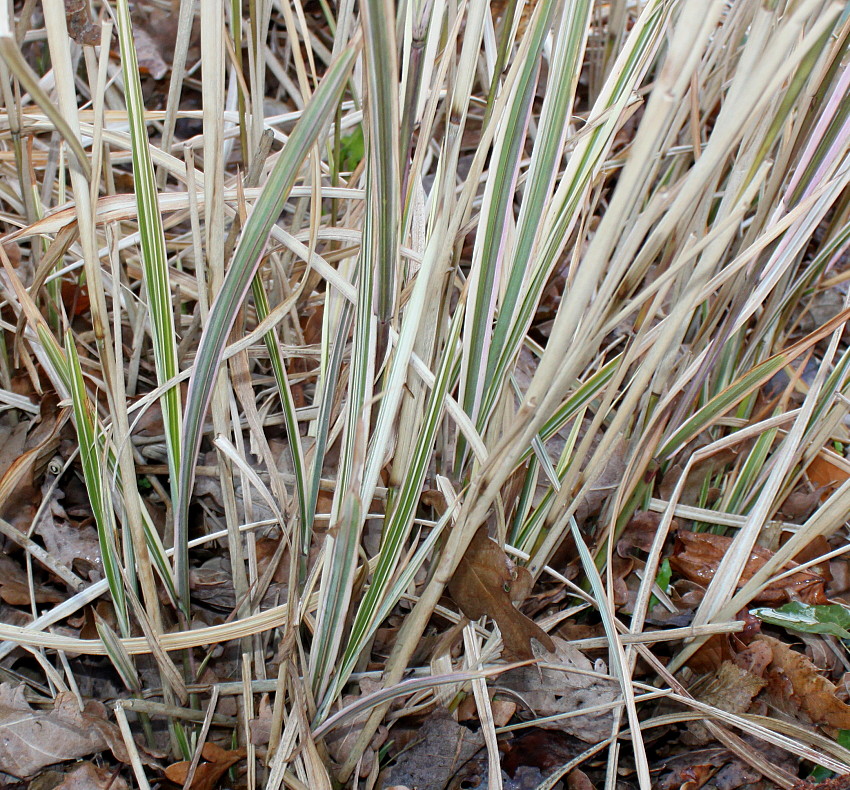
(482, 585)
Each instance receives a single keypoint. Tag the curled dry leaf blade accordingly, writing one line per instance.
(482, 584)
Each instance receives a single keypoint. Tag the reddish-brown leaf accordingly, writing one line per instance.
(80, 27)
(827, 471)
(482, 585)
(215, 763)
(697, 556)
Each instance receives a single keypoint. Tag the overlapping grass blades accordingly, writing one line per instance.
(239, 276)
(669, 188)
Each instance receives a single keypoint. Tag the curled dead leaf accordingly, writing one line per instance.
(483, 584)
(794, 683)
(214, 765)
(697, 556)
(31, 739)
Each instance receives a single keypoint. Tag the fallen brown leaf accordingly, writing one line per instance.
(340, 741)
(826, 473)
(31, 739)
(732, 689)
(17, 593)
(87, 776)
(79, 23)
(697, 556)
(441, 748)
(482, 585)
(794, 683)
(215, 763)
(538, 748)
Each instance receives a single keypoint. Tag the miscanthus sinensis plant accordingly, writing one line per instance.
(415, 268)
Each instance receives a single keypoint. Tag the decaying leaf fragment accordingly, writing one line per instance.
(80, 27)
(442, 747)
(483, 584)
(31, 739)
(553, 691)
(732, 688)
(794, 682)
(87, 776)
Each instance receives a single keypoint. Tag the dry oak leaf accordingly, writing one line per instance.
(792, 676)
(697, 556)
(31, 739)
(208, 773)
(482, 585)
(442, 747)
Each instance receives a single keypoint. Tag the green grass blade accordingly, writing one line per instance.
(261, 302)
(96, 483)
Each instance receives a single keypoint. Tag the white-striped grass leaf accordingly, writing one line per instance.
(156, 550)
(235, 285)
(340, 565)
(570, 35)
(333, 355)
(586, 392)
(530, 529)
(30, 82)
(378, 599)
(563, 209)
(743, 386)
(616, 653)
(152, 244)
(296, 451)
(100, 497)
(118, 655)
(405, 688)
(384, 184)
(342, 549)
(496, 217)
(741, 490)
